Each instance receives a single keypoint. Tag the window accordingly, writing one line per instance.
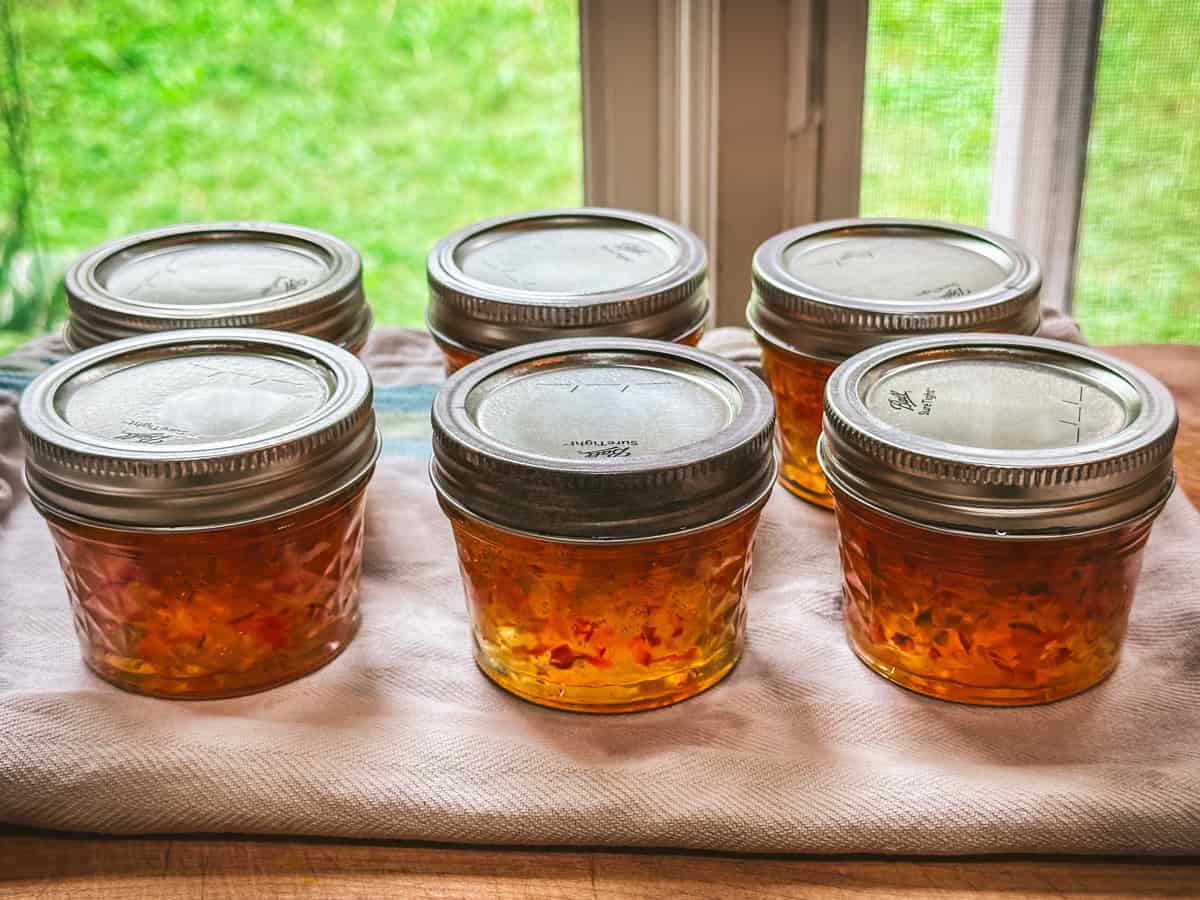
(928, 109)
(389, 123)
(1139, 269)
(386, 122)
(969, 110)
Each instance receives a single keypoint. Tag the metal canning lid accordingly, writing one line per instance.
(831, 289)
(590, 439)
(566, 273)
(201, 428)
(219, 275)
(998, 434)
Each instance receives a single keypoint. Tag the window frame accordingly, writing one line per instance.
(742, 119)
(738, 120)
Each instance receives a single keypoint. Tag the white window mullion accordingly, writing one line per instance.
(1045, 79)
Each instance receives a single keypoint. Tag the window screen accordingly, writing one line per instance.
(927, 115)
(1138, 277)
(386, 122)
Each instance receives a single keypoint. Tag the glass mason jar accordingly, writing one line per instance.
(565, 273)
(604, 495)
(219, 275)
(204, 489)
(824, 292)
(993, 496)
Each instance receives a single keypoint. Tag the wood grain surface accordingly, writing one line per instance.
(48, 866)
(225, 868)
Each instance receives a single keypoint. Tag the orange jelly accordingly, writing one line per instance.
(826, 291)
(565, 273)
(993, 497)
(604, 495)
(985, 621)
(205, 492)
(215, 613)
(798, 383)
(606, 627)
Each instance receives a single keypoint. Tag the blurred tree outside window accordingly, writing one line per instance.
(386, 122)
(392, 122)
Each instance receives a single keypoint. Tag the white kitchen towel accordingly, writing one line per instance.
(801, 749)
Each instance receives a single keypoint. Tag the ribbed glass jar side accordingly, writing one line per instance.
(995, 621)
(798, 383)
(215, 613)
(606, 627)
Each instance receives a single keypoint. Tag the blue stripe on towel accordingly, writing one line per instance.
(405, 398)
(15, 381)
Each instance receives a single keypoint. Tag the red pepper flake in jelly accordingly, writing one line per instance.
(991, 531)
(604, 495)
(204, 490)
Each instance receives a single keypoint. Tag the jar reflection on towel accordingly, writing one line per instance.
(993, 498)
(205, 493)
(565, 273)
(604, 495)
(824, 292)
(219, 275)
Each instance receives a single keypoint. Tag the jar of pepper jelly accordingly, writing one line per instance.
(993, 496)
(221, 275)
(604, 495)
(204, 490)
(824, 292)
(565, 273)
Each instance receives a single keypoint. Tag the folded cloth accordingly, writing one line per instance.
(801, 749)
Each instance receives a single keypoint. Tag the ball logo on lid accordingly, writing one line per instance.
(978, 404)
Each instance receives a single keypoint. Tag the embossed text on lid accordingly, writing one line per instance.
(223, 274)
(607, 408)
(566, 273)
(999, 433)
(897, 266)
(195, 399)
(603, 439)
(203, 273)
(1002, 404)
(831, 289)
(197, 428)
(565, 257)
